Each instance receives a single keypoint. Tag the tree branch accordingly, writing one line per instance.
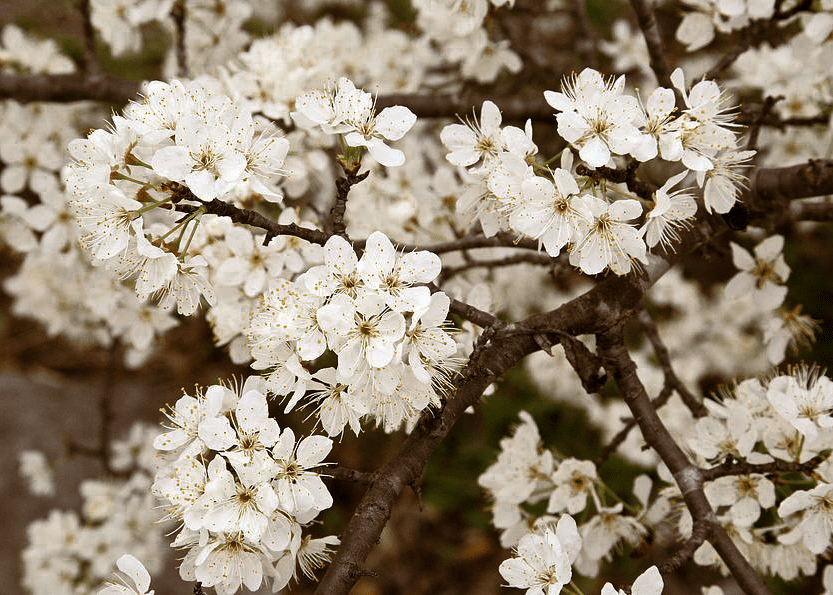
(405, 467)
(738, 468)
(178, 14)
(500, 240)
(781, 184)
(335, 224)
(68, 87)
(255, 219)
(630, 423)
(345, 474)
(694, 404)
(699, 533)
(83, 86)
(522, 258)
(650, 30)
(626, 176)
(756, 33)
(89, 61)
(617, 361)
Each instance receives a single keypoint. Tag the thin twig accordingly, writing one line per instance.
(474, 315)
(694, 404)
(178, 14)
(255, 219)
(699, 532)
(755, 128)
(345, 474)
(500, 240)
(626, 176)
(335, 224)
(739, 468)
(751, 115)
(630, 424)
(523, 258)
(644, 10)
(587, 41)
(89, 61)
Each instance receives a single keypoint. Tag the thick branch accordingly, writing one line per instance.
(617, 361)
(609, 302)
(79, 87)
(777, 184)
(68, 87)
(599, 308)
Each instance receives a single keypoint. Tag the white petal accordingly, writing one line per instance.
(312, 450)
(384, 154)
(419, 267)
(595, 152)
(252, 411)
(216, 433)
(648, 583)
(173, 163)
(394, 122)
(135, 570)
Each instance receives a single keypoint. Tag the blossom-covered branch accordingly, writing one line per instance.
(689, 478)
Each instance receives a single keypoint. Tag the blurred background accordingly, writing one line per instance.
(439, 540)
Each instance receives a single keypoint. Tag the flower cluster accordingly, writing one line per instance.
(786, 418)
(543, 559)
(505, 192)
(509, 190)
(381, 320)
(184, 142)
(546, 548)
(525, 474)
(597, 118)
(242, 490)
(458, 28)
(350, 111)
